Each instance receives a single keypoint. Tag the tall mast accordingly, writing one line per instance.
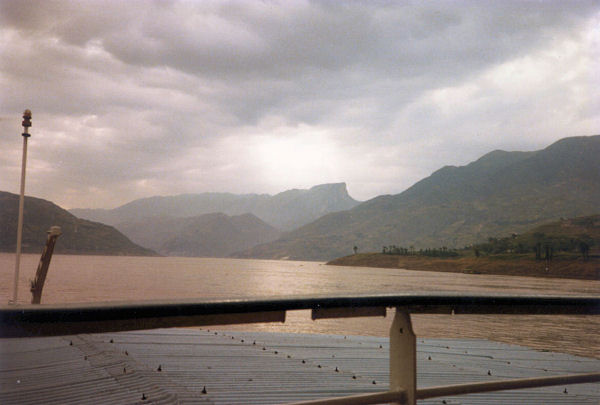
(26, 124)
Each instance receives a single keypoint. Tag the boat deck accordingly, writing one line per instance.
(213, 367)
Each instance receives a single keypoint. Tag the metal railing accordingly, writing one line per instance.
(56, 320)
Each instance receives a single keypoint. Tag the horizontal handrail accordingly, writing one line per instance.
(361, 399)
(48, 320)
(501, 385)
(457, 389)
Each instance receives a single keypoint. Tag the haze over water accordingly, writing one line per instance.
(73, 279)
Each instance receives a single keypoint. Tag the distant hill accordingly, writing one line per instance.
(208, 235)
(499, 194)
(285, 211)
(78, 236)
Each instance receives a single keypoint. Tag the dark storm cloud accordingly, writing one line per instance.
(153, 97)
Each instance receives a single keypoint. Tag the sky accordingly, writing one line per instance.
(132, 99)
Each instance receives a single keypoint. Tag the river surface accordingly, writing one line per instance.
(73, 279)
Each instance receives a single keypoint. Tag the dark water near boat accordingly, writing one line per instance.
(107, 278)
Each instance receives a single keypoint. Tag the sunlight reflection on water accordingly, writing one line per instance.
(113, 278)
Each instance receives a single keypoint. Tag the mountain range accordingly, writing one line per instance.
(208, 235)
(499, 194)
(219, 224)
(184, 225)
(285, 211)
(79, 236)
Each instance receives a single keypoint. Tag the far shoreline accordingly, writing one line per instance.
(558, 268)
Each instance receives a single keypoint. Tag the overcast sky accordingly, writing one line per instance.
(132, 99)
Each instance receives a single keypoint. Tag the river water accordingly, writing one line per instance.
(73, 279)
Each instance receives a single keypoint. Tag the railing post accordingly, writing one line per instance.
(40, 275)
(403, 357)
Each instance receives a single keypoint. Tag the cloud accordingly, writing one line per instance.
(137, 98)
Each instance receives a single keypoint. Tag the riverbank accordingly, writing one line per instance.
(558, 268)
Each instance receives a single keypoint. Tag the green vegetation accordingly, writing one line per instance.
(568, 248)
(567, 238)
(435, 252)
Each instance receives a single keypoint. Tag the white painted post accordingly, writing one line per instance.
(403, 357)
(26, 124)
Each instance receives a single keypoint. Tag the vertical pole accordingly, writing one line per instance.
(403, 356)
(26, 124)
(40, 275)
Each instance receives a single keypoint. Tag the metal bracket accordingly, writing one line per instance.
(349, 312)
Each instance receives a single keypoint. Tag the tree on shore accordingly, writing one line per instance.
(584, 248)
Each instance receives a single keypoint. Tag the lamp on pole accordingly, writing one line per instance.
(26, 124)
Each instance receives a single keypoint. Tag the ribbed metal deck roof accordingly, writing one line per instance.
(263, 368)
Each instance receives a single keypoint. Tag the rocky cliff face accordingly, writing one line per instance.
(294, 208)
(286, 211)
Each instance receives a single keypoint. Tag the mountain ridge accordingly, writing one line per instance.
(207, 235)
(499, 193)
(286, 210)
(79, 236)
